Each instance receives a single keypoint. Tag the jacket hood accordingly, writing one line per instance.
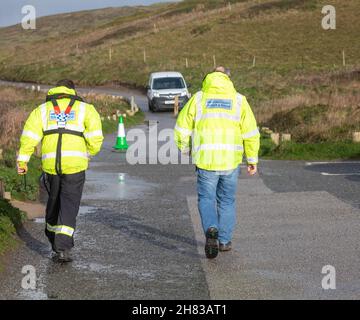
(218, 83)
(61, 90)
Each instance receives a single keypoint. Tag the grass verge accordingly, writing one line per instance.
(15, 183)
(10, 219)
(309, 151)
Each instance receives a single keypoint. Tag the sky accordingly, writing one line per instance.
(10, 10)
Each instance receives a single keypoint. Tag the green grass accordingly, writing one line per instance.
(15, 183)
(309, 151)
(10, 219)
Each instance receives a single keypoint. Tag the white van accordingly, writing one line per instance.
(162, 89)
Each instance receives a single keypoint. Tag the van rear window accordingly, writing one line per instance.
(168, 83)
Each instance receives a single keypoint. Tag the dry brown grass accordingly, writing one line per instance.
(12, 115)
(312, 116)
(339, 103)
(12, 120)
(327, 108)
(9, 95)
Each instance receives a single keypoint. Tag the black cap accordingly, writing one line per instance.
(66, 83)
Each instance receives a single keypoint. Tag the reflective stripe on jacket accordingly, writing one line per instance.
(219, 126)
(75, 150)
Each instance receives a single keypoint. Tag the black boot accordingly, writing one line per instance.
(212, 243)
(63, 257)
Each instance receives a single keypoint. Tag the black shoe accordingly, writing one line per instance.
(62, 257)
(225, 247)
(212, 244)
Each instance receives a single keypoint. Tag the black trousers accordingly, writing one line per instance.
(63, 205)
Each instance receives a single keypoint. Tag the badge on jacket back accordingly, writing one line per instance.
(219, 104)
(62, 118)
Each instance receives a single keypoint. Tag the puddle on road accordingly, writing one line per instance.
(84, 210)
(33, 295)
(114, 186)
(113, 269)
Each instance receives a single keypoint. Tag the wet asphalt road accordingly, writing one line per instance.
(139, 234)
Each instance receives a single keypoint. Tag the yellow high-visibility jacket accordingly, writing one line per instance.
(75, 149)
(219, 126)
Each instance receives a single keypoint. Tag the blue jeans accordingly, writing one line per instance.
(216, 200)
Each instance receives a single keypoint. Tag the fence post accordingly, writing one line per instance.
(275, 137)
(3, 194)
(356, 137)
(176, 106)
(132, 103)
(285, 137)
(344, 59)
(2, 189)
(144, 56)
(214, 58)
(1, 154)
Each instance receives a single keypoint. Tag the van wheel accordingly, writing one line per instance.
(154, 108)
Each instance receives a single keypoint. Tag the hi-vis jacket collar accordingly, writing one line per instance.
(59, 90)
(218, 83)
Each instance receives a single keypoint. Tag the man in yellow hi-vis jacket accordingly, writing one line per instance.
(70, 131)
(218, 125)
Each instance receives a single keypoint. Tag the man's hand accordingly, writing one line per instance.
(22, 168)
(186, 151)
(252, 169)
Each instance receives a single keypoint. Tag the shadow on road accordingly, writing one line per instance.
(129, 226)
(353, 178)
(32, 243)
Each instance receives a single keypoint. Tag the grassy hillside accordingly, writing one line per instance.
(280, 56)
(283, 35)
